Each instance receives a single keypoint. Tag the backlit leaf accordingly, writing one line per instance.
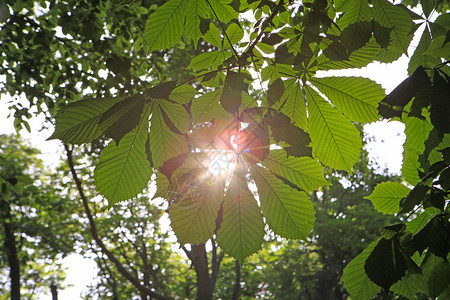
(335, 139)
(207, 107)
(294, 104)
(355, 278)
(124, 170)
(288, 212)
(164, 143)
(356, 97)
(242, 230)
(304, 172)
(391, 16)
(77, 123)
(386, 197)
(165, 26)
(223, 10)
(193, 215)
(183, 94)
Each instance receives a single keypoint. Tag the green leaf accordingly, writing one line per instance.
(294, 104)
(386, 197)
(234, 33)
(124, 170)
(208, 60)
(183, 94)
(421, 57)
(197, 9)
(212, 36)
(415, 225)
(165, 26)
(385, 264)
(355, 278)
(388, 15)
(410, 285)
(437, 274)
(122, 117)
(77, 123)
(193, 215)
(357, 59)
(223, 10)
(417, 132)
(335, 139)
(275, 91)
(177, 115)
(207, 107)
(164, 143)
(288, 212)
(304, 172)
(242, 229)
(355, 97)
(359, 11)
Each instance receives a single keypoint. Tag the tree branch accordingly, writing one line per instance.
(93, 228)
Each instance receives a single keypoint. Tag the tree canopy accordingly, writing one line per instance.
(240, 131)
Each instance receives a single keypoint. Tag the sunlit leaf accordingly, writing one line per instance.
(355, 278)
(164, 143)
(288, 212)
(124, 170)
(386, 197)
(165, 26)
(356, 97)
(193, 214)
(304, 172)
(207, 107)
(335, 139)
(391, 16)
(77, 122)
(242, 230)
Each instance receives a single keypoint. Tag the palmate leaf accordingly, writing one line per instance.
(223, 10)
(355, 278)
(410, 285)
(122, 117)
(355, 97)
(421, 57)
(77, 123)
(288, 212)
(304, 172)
(390, 16)
(124, 170)
(437, 274)
(177, 115)
(294, 104)
(234, 33)
(207, 60)
(242, 229)
(386, 197)
(165, 26)
(183, 94)
(207, 107)
(417, 132)
(164, 143)
(197, 9)
(193, 214)
(335, 139)
(358, 58)
(359, 11)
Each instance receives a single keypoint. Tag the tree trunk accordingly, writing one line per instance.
(11, 250)
(200, 262)
(54, 292)
(237, 283)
